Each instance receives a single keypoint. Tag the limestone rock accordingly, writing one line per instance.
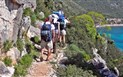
(24, 52)
(34, 31)
(6, 71)
(25, 25)
(27, 3)
(41, 14)
(14, 54)
(3, 69)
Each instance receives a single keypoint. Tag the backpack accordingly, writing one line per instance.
(61, 16)
(46, 33)
(61, 19)
(62, 25)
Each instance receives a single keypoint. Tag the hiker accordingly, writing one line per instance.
(63, 23)
(47, 36)
(57, 30)
(63, 32)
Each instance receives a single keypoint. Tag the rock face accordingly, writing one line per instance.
(3, 69)
(6, 71)
(14, 54)
(10, 17)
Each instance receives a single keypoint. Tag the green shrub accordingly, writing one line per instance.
(33, 18)
(73, 71)
(7, 61)
(20, 44)
(26, 60)
(97, 17)
(7, 45)
(86, 56)
(24, 63)
(41, 6)
(73, 47)
(20, 71)
(27, 12)
(36, 39)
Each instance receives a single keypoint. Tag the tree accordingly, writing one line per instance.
(97, 17)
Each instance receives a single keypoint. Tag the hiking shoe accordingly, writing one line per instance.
(41, 59)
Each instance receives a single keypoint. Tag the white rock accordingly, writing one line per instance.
(14, 54)
(13, 14)
(12, 70)
(41, 14)
(24, 52)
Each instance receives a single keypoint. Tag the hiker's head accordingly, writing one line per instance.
(50, 18)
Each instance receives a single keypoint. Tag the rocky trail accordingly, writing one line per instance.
(45, 68)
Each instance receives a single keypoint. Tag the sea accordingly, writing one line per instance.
(115, 33)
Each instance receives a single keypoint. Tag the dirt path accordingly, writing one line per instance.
(41, 69)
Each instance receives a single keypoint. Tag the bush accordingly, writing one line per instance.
(73, 71)
(20, 71)
(7, 61)
(7, 45)
(26, 60)
(24, 63)
(33, 18)
(74, 48)
(82, 33)
(97, 17)
(36, 39)
(41, 6)
(27, 12)
(20, 44)
(76, 56)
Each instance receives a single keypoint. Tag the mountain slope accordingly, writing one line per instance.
(108, 7)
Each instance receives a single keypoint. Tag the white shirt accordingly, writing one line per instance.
(55, 18)
(66, 21)
(52, 26)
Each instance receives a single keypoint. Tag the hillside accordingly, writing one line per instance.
(112, 8)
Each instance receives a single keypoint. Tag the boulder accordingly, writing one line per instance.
(14, 54)
(41, 14)
(3, 69)
(6, 71)
(33, 32)
(27, 3)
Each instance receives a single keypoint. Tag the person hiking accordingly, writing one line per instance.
(47, 36)
(57, 30)
(63, 23)
(63, 32)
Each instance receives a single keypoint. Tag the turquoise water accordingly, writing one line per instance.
(116, 34)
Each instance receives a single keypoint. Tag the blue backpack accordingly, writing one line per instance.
(61, 16)
(46, 33)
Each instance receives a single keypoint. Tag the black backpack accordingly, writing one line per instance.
(46, 33)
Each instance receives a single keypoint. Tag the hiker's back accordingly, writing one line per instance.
(60, 14)
(46, 33)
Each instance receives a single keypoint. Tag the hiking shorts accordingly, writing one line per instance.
(56, 31)
(47, 44)
(63, 32)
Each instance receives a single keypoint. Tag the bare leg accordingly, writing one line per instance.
(63, 39)
(49, 53)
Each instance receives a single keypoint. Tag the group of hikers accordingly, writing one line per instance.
(100, 65)
(53, 30)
